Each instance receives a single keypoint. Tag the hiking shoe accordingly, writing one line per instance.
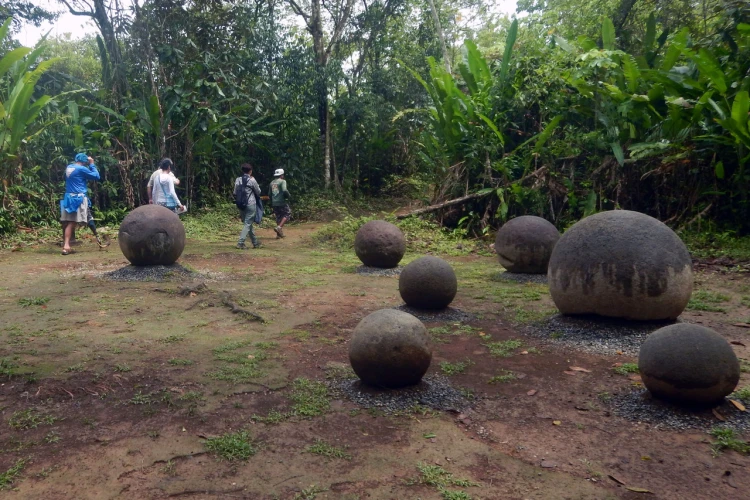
(280, 232)
(277, 230)
(259, 245)
(241, 246)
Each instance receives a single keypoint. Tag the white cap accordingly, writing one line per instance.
(279, 171)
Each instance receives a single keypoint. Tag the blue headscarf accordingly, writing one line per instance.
(82, 157)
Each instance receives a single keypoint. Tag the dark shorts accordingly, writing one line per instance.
(282, 213)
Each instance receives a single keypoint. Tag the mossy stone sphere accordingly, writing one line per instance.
(380, 244)
(688, 364)
(390, 349)
(428, 283)
(621, 264)
(152, 235)
(524, 244)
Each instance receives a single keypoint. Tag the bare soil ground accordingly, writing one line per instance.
(113, 389)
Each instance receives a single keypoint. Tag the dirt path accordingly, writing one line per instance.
(112, 389)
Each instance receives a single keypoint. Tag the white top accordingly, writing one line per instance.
(164, 183)
(150, 184)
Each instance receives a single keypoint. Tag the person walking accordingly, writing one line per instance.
(150, 185)
(162, 191)
(280, 198)
(246, 193)
(74, 207)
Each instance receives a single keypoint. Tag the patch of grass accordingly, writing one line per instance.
(743, 394)
(504, 378)
(33, 301)
(7, 369)
(704, 300)
(10, 475)
(122, 368)
(172, 339)
(434, 475)
(30, 419)
(237, 374)
(264, 346)
(625, 368)
(454, 494)
(170, 469)
(232, 446)
(309, 493)
(340, 372)
(503, 348)
(604, 396)
(231, 346)
(192, 396)
(726, 439)
(455, 368)
(78, 367)
(51, 437)
(273, 417)
(180, 362)
(141, 399)
(309, 397)
(324, 449)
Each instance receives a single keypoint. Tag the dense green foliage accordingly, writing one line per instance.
(573, 108)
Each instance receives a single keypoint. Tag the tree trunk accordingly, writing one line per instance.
(439, 29)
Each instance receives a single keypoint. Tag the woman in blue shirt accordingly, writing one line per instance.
(74, 208)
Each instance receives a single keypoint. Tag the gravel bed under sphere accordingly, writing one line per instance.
(447, 314)
(596, 334)
(540, 279)
(640, 406)
(174, 272)
(378, 271)
(434, 392)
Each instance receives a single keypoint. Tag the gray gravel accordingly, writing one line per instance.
(520, 277)
(378, 271)
(638, 405)
(175, 272)
(595, 334)
(447, 314)
(434, 392)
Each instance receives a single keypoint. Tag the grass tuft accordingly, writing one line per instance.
(503, 349)
(10, 475)
(326, 450)
(30, 419)
(625, 369)
(455, 368)
(232, 446)
(310, 398)
(33, 301)
(727, 440)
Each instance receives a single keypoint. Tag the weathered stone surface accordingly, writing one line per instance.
(621, 264)
(524, 244)
(151, 235)
(390, 349)
(688, 364)
(428, 283)
(380, 244)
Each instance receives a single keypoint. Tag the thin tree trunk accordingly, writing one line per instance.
(439, 29)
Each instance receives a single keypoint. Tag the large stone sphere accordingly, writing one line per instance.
(390, 348)
(428, 283)
(152, 235)
(380, 244)
(688, 364)
(524, 244)
(621, 264)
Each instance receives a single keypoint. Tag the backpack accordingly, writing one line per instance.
(241, 197)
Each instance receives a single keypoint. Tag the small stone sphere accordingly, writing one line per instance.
(621, 264)
(390, 349)
(152, 235)
(524, 244)
(380, 244)
(428, 283)
(688, 364)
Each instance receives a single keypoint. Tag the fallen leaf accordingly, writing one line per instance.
(636, 378)
(531, 392)
(250, 356)
(736, 342)
(579, 369)
(429, 436)
(566, 372)
(742, 325)
(645, 457)
(738, 405)
(618, 352)
(718, 415)
(524, 352)
(556, 422)
(613, 478)
(192, 294)
(637, 490)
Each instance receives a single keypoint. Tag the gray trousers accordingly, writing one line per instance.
(248, 215)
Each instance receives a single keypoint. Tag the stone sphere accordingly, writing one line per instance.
(380, 244)
(152, 235)
(428, 283)
(524, 244)
(390, 349)
(688, 364)
(621, 264)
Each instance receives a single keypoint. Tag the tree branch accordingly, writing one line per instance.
(339, 28)
(77, 12)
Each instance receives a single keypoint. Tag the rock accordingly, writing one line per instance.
(428, 283)
(621, 264)
(688, 364)
(390, 349)
(380, 244)
(524, 244)
(152, 235)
